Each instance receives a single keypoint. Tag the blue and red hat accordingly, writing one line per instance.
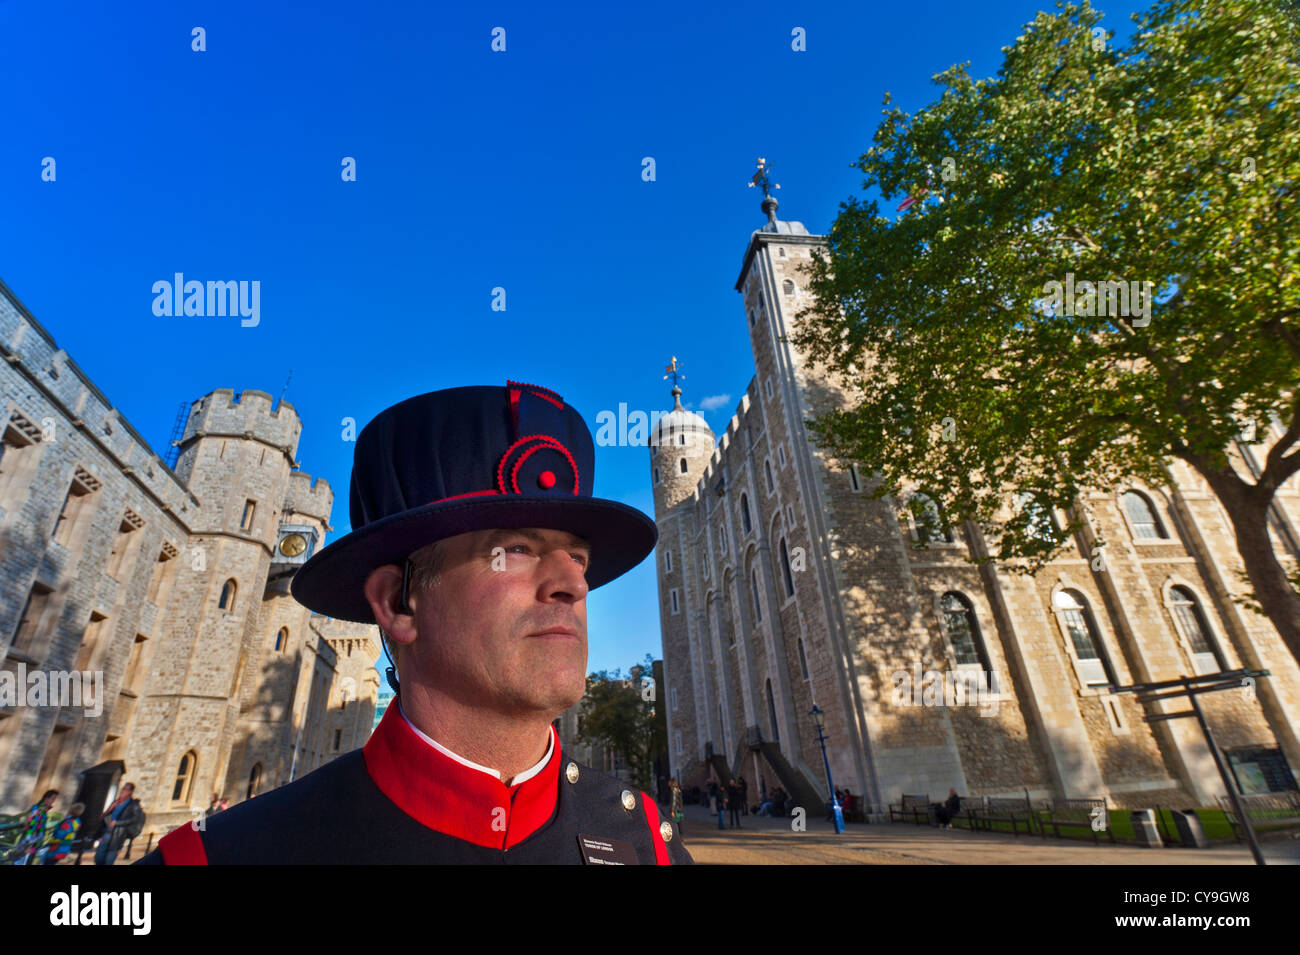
(469, 459)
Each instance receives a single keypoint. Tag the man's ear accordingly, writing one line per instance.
(383, 591)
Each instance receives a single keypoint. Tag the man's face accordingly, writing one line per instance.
(492, 633)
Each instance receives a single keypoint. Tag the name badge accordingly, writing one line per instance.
(597, 851)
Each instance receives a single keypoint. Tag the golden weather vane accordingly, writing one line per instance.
(673, 371)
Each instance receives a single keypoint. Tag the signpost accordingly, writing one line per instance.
(1191, 687)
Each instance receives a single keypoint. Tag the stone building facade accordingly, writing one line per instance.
(171, 584)
(784, 585)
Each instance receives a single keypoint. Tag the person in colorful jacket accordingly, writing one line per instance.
(60, 842)
(34, 826)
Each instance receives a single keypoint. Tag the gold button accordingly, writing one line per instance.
(666, 830)
(629, 801)
(571, 772)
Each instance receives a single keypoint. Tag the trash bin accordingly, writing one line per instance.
(1191, 834)
(1145, 829)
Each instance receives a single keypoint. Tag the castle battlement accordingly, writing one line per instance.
(249, 414)
(308, 495)
(742, 412)
(53, 376)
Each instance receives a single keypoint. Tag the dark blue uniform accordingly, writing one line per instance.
(399, 801)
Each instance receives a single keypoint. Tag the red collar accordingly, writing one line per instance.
(444, 795)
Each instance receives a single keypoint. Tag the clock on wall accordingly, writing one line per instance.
(296, 543)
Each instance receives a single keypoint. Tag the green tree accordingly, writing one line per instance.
(616, 713)
(1172, 161)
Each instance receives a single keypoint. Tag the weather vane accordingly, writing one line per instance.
(761, 177)
(673, 372)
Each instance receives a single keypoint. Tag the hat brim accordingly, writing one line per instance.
(332, 581)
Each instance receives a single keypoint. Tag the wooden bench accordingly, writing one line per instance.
(1263, 809)
(1016, 810)
(859, 814)
(913, 808)
(1074, 814)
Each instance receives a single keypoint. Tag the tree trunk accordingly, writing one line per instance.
(1247, 506)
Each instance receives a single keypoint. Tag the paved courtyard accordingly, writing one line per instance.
(764, 841)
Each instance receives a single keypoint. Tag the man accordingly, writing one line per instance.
(122, 821)
(948, 811)
(475, 540)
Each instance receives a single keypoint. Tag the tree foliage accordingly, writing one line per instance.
(1172, 161)
(616, 714)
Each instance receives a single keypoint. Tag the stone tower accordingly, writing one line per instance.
(155, 599)
(680, 449)
(237, 456)
(803, 589)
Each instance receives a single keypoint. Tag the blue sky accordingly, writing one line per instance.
(475, 170)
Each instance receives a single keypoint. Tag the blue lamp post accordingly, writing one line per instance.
(820, 719)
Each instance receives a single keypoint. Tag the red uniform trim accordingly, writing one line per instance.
(466, 494)
(449, 797)
(652, 817)
(183, 846)
(538, 390)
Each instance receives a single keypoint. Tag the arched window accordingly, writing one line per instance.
(184, 778)
(927, 524)
(254, 781)
(681, 438)
(227, 601)
(803, 660)
(1041, 523)
(745, 524)
(683, 465)
(758, 604)
(767, 471)
(964, 634)
(281, 639)
(1190, 620)
(771, 714)
(788, 287)
(1093, 667)
(785, 569)
(656, 475)
(1142, 516)
(751, 318)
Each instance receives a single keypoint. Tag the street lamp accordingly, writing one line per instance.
(820, 719)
